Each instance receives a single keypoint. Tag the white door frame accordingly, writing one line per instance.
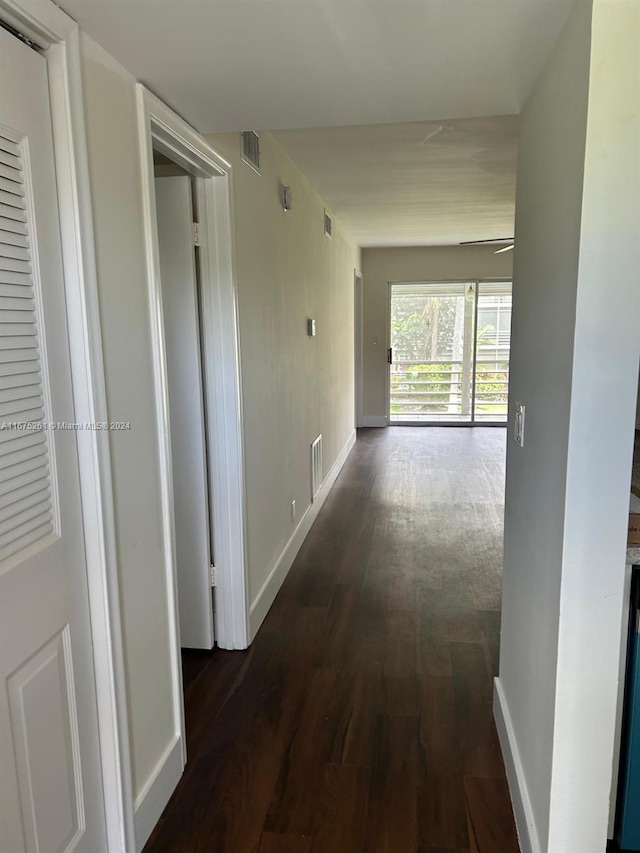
(159, 127)
(57, 36)
(357, 345)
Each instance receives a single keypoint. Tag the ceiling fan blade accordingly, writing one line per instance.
(483, 242)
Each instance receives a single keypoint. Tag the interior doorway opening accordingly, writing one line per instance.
(190, 427)
(161, 130)
(448, 352)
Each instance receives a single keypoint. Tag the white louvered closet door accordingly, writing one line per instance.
(50, 784)
(26, 505)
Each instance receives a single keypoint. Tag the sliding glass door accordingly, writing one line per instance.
(493, 339)
(449, 354)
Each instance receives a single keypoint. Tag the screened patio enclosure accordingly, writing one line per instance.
(449, 354)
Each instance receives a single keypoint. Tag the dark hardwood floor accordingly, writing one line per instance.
(360, 720)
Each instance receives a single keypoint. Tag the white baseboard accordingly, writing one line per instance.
(278, 573)
(374, 421)
(155, 795)
(522, 809)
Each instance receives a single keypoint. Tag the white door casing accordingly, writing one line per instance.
(357, 346)
(161, 129)
(50, 786)
(186, 409)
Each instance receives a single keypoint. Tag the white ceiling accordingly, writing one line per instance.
(426, 183)
(240, 64)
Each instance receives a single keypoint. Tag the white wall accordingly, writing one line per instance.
(574, 362)
(415, 263)
(124, 310)
(293, 386)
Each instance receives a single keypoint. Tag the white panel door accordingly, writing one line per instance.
(50, 781)
(186, 410)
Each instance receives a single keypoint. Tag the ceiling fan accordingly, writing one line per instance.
(506, 240)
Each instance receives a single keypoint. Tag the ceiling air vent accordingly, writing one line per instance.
(251, 149)
(328, 225)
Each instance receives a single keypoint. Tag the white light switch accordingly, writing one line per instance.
(518, 426)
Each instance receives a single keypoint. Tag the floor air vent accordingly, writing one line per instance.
(316, 467)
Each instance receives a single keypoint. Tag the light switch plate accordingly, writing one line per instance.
(518, 426)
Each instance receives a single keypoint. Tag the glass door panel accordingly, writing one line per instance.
(493, 339)
(431, 352)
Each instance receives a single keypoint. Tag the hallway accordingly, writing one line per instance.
(360, 720)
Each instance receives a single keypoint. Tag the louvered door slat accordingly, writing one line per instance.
(14, 358)
(32, 534)
(17, 440)
(23, 303)
(16, 284)
(11, 315)
(13, 213)
(38, 486)
(13, 225)
(10, 160)
(13, 265)
(24, 392)
(20, 457)
(30, 476)
(10, 174)
(14, 536)
(10, 185)
(18, 380)
(18, 330)
(20, 253)
(11, 198)
(12, 238)
(25, 467)
(23, 511)
(22, 410)
(9, 146)
(17, 342)
(11, 368)
(26, 491)
(12, 437)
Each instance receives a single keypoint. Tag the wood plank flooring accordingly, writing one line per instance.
(360, 719)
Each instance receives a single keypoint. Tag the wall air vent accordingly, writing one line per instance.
(251, 149)
(328, 225)
(316, 467)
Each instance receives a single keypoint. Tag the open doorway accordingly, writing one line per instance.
(449, 352)
(206, 308)
(179, 255)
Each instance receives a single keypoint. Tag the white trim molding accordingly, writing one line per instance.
(280, 570)
(152, 799)
(58, 37)
(522, 809)
(161, 129)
